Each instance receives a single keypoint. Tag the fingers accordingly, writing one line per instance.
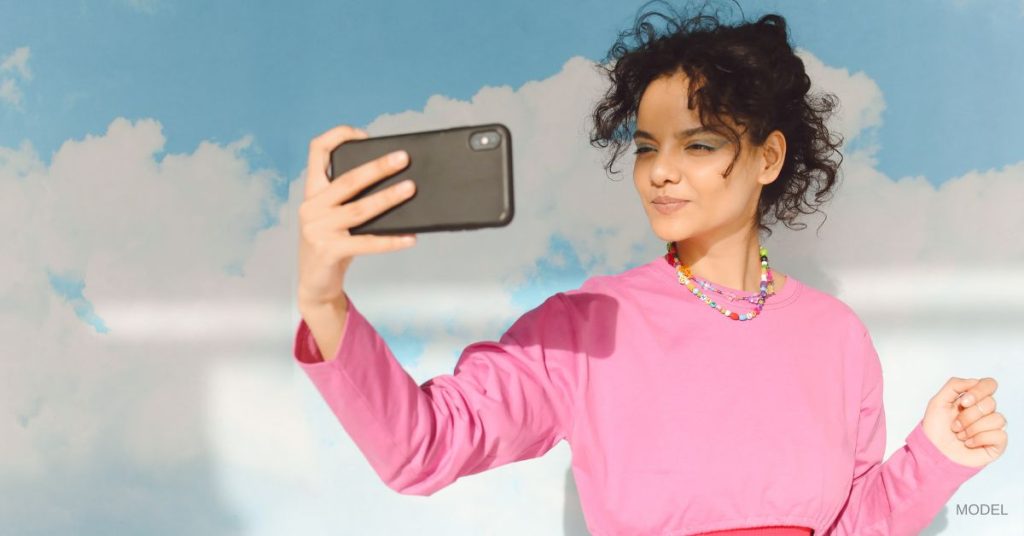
(989, 438)
(369, 207)
(370, 244)
(357, 212)
(320, 149)
(983, 388)
(953, 388)
(992, 421)
(351, 214)
(973, 413)
(360, 177)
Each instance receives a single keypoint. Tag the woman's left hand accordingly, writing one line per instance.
(974, 435)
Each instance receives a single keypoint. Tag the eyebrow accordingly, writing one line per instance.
(679, 135)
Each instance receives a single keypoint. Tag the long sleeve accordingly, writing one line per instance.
(507, 400)
(902, 495)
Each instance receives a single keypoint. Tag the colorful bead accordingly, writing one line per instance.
(687, 279)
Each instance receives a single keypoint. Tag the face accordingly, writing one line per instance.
(690, 167)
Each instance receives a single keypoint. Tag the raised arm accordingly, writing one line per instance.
(902, 495)
(507, 400)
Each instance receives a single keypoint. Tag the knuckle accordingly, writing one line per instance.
(356, 210)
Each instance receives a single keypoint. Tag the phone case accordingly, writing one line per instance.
(463, 181)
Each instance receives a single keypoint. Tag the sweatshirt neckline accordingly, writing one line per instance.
(781, 298)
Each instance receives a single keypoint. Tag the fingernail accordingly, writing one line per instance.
(969, 442)
(405, 186)
(397, 157)
(966, 400)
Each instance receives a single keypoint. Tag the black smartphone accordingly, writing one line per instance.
(463, 178)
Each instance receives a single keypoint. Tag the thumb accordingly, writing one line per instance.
(320, 155)
(953, 388)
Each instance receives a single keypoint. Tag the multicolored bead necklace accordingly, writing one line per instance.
(729, 294)
(687, 278)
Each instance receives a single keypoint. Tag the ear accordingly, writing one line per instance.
(772, 156)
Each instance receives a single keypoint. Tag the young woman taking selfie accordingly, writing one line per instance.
(701, 392)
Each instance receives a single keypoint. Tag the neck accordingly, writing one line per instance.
(734, 261)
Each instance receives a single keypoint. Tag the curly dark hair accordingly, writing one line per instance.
(747, 72)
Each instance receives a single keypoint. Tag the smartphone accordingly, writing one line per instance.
(463, 178)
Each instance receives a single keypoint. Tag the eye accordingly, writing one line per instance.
(640, 150)
(702, 147)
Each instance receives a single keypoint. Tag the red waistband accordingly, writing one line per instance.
(777, 530)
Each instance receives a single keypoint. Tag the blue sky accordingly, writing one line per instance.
(284, 71)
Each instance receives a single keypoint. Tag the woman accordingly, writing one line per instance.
(701, 392)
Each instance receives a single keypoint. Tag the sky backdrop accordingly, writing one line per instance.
(151, 160)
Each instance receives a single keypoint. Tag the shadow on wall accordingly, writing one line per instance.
(574, 523)
(939, 524)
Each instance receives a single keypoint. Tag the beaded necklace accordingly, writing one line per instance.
(731, 295)
(687, 278)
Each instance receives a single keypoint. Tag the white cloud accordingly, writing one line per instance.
(10, 92)
(17, 62)
(193, 396)
(89, 419)
(861, 100)
(14, 70)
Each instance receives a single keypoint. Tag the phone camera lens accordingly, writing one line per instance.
(489, 139)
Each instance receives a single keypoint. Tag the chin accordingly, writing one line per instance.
(670, 231)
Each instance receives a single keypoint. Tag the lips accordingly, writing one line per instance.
(668, 208)
(665, 199)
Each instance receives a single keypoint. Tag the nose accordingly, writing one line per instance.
(663, 170)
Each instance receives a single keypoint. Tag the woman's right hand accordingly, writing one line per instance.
(326, 248)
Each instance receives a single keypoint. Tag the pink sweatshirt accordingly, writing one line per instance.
(679, 420)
